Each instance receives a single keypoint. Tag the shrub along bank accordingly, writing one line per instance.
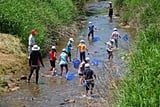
(140, 87)
(19, 17)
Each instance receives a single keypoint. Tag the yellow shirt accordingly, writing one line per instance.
(82, 47)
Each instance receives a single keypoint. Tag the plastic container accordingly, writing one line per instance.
(70, 75)
(84, 84)
(95, 62)
(95, 39)
(76, 63)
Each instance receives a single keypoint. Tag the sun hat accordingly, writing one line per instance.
(34, 32)
(90, 22)
(112, 40)
(53, 47)
(71, 39)
(82, 41)
(63, 50)
(35, 48)
(87, 65)
(110, 2)
(87, 59)
(115, 29)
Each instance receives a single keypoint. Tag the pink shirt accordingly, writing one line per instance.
(115, 35)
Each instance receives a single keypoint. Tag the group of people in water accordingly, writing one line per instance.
(86, 74)
(35, 61)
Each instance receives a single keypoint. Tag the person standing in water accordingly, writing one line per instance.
(110, 12)
(52, 58)
(63, 61)
(110, 48)
(31, 41)
(91, 28)
(82, 50)
(34, 62)
(115, 35)
(81, 70)
(89, 76)
(69, 47)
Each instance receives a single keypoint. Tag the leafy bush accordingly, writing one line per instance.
(140, 87)
(21, 16)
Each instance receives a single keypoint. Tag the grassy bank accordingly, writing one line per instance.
(140, 87)
(19, 17)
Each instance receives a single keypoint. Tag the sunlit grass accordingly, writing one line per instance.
(140, 87)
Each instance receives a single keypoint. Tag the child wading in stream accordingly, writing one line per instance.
(81, 70)
(52, 58)
(110, 48)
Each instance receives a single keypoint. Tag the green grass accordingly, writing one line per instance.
(140, 87)
(19, 17)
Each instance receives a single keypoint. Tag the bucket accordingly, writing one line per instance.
(95, 62)
(70, 75)
(84, 84)
(95, 39)
(76, 63)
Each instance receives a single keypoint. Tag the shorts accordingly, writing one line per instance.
(80, 74)
(63, 65)
(69, 53)
(52, 63)
(90, 85)
(109, 52)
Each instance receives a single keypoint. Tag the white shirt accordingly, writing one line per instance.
(31, 40)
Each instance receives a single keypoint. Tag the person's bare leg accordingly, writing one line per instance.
(61, 71)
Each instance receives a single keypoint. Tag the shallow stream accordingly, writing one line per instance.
(53, 91)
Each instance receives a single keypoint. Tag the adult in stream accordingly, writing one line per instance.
(34, 64)
(110, 13)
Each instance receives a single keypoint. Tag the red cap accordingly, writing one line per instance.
(33, 32)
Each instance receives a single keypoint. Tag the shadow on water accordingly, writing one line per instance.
(54, 91)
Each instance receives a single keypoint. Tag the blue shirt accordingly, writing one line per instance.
(63, 59)
(68, 46)
(91, 27)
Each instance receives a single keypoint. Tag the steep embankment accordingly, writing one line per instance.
(13, 61)
(140, 87)
(52, 19)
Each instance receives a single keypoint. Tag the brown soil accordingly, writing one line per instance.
(13, 61)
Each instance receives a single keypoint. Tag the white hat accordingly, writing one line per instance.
(112, 40)
(71, 39)
(87, 65)
(82, 41)
(87, 59)
(35, 48)
(115, 29)
(110, 2)
(53, 47)
(90, 22)
(63, 50)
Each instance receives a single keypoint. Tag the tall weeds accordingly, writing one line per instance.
(140, 87)
(19, 17)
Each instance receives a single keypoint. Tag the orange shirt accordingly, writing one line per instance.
(82, 47)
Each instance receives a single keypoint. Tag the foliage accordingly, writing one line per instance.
(19, 17)
(140, 87)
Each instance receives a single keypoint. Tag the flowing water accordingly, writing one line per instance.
(53, 91)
